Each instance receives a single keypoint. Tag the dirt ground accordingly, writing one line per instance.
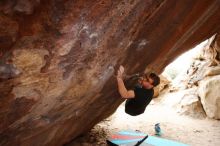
(185, 129)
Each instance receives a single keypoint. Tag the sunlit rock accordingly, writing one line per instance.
(210, 97)
(190, 105)
(164, 83)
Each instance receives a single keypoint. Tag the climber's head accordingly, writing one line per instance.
(149, 81)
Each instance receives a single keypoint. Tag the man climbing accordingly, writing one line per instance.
(141, 95)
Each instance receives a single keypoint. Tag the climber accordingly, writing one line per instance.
(141, 95)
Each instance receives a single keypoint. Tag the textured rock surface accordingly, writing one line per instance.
(58, 58)
(191, 105)
(164, 83)
(210, 97)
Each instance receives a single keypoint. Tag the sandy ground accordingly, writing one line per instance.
(185, 129)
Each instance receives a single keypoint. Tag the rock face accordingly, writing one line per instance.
(204, 74)
(57, 58)
(209, 87)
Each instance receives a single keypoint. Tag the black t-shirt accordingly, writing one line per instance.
(136, 106)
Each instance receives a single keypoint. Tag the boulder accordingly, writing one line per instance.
(212, 71)
(58, 58)
(190, 105)
(164, 83)
(185, 102)
(210, 97)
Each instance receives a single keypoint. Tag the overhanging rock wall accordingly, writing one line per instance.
(57, 58)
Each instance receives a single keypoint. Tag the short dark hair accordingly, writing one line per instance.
(155, 78)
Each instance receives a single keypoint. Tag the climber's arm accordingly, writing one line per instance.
(121, 86)
(123, 91)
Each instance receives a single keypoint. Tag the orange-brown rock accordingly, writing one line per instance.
(57, 58)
